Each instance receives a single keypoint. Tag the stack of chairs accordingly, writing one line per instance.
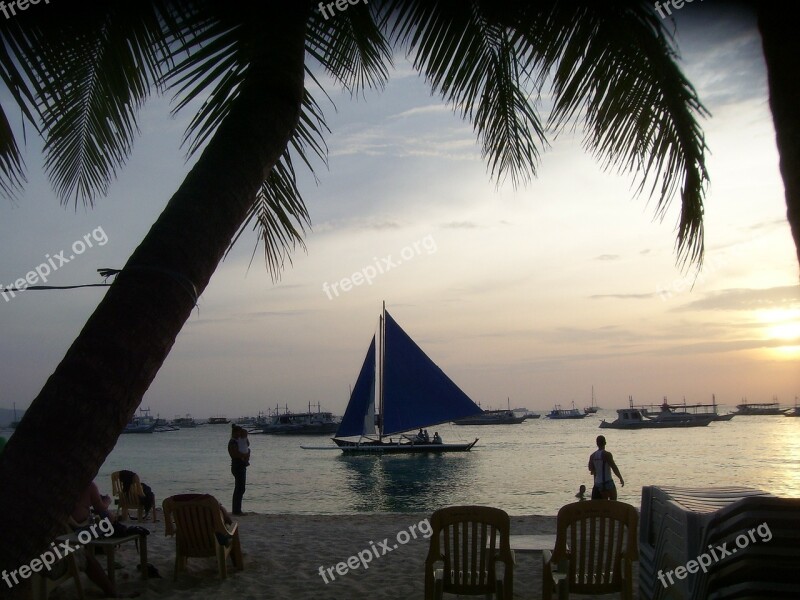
(679, 525)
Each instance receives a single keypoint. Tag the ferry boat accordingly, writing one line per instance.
(759, 408)
(634, 418)
(141, 423)
(218, 420)
(306, 423)
(565, 413)
(186, 422)
(493, 417)
(690, 411)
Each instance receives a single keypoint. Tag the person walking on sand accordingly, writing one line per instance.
(601, 464)
(239, 451)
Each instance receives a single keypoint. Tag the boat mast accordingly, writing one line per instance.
(381, 363)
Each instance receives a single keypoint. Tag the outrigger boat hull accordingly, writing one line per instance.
(381, 447)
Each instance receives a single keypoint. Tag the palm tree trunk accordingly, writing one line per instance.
(74, 422)
(782, 55)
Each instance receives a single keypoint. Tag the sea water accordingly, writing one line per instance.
(530, 468)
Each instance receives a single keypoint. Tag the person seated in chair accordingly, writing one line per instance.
(148, 501)
(90, 499)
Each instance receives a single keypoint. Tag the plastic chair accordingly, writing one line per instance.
(596, 545)
(468, 542)
(131, 499)
(196, 522)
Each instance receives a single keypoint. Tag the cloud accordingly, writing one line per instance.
(747, 299)
(623, 296)
(422, 110)
(459, 225)
(608, 257)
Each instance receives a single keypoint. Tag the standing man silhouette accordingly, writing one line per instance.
(239, 451)
(601, 464)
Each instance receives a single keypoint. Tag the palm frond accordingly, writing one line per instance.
(351, 48)
(279, 215)
(478, 68)
(613, 67)
(90, 67)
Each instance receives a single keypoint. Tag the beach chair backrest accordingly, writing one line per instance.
(467, 542)
(130, 499)
(194, 519)
(599, 538)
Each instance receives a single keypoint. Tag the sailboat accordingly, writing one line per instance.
(592, 408)
(411, 392)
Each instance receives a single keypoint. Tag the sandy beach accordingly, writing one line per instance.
(283, 555)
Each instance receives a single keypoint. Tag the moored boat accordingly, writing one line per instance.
(311, 422)
(218, 420)
(409, 392)
(689, 411)
(592, 408)
(565, 413)
(185, 422)
(493, 417)
(634, 418)
(141, 423)
(759, 408)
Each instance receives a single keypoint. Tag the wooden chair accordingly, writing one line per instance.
(596, 545)
(466, 544)
(131, 499)
(42, 585)
(196, 522)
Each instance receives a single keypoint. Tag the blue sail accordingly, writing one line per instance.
(416, 392)
(359, 418)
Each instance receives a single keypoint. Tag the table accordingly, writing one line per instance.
(527, 544)
(109, 546)
(532, 543)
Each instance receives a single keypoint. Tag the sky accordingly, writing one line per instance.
(532, 296)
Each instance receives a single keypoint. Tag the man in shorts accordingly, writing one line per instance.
(601, 464)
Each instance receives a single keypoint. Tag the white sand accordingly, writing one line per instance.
(283, 554)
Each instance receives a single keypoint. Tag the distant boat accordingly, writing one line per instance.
(634, 418)
(218, 421)
(759, 408)
(412, 393)
(15, 422)
(565, 413)
(186, 422)
(689, 411)
(317, 422)
(592, 408)
(793, 412)
(141, 423)
(494, 417)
